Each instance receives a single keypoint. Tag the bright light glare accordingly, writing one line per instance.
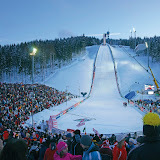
(146, 44)
(134, 29)
(34, 50)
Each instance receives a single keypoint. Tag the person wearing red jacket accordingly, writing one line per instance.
(119, 151)
(49, 154)
(5, 135)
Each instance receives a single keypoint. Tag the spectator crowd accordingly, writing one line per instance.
(19, 101)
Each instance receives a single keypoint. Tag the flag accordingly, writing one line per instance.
(96, 132)
(81, 123)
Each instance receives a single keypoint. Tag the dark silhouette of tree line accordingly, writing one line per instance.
(50, 53)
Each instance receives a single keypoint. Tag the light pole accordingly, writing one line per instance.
(135, 35)
(147, 52)
(32, 96)
(131, 33)
(33, 54)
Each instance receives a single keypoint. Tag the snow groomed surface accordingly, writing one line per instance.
(104, 108)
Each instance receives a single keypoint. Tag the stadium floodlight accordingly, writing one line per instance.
(33, 53)
(134, 30)
(146, 44)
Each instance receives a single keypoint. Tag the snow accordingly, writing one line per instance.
(104, 108)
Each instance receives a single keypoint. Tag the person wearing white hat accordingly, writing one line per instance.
(131, 145)
(119, 151)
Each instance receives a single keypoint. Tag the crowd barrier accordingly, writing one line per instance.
(139, 107)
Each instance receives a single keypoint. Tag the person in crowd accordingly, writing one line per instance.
(105, 151)
(112, 139)
(1, 145)
(42, 149)
(119, 150)
(69, 142)
(91, 151)
(96, 138)
(150, 148)
(49, 154)
(135, 135)
(34, 151)
(5, 135)
(62, 153)
(131, 144)
(76, 146)
(128, 137)
(15, 149)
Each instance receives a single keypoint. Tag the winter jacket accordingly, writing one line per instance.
(42, 151)
(67, 156)
(119, 153)
(49, 154)
(148, 150)
(106, 153)
(92, 153)
(5, 135)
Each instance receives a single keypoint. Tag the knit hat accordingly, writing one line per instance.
(86, 140)
(120, 137)
(61, 146)
(151, 125)
(77, 131)
(132, 140)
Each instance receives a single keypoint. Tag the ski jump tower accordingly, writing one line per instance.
(104, 37)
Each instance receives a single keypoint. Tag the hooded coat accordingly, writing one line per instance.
(148, 150)
(92, 153)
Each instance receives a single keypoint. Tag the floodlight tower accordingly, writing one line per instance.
(131, 33)
(108, 33)
(104, 39)
(33, 53)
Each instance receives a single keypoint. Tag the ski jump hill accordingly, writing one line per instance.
(103, 108)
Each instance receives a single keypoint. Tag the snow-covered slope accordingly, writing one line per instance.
(104, 109)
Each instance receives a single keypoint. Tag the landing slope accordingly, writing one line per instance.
(104, 108)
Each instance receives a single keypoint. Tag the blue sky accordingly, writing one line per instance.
(26, 20)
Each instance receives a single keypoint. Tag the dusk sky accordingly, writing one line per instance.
(27, 20)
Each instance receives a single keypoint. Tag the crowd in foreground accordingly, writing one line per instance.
(28, 144)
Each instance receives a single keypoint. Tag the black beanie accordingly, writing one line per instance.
(77, 131)
(151, 131)
(151, 125)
